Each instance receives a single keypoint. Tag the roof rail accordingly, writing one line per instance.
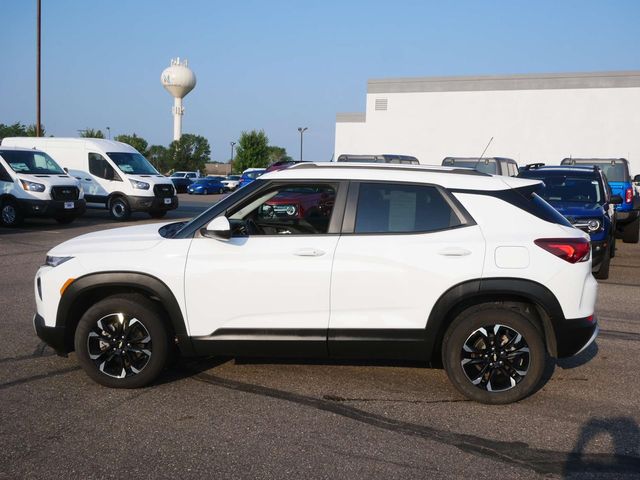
(392, 166)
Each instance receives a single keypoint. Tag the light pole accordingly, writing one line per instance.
(301, 130)
(108, 133)
(233, 144)
(38, 129)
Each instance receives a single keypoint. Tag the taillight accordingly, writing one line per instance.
(572, 250)
(628, 195)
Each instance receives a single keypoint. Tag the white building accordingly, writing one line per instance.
(532, 118)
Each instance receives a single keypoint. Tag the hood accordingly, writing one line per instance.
(574, 209)
(54, 180)
(127, 239)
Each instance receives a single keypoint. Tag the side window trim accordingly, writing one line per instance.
(348, 226)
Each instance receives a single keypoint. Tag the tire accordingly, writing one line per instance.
(10, 215)
(119, 209)
(612, 242)
(158, 214)
(205, 192)
(113, 361)
(631, 232)
(474, 329)
(221, 191)
(64, 220)
(603, 271)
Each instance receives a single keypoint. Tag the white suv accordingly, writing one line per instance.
(334, 260)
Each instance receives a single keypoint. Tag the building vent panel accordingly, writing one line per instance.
(381, 104)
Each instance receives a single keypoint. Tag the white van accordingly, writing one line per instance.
(113, 175)
(32, 184)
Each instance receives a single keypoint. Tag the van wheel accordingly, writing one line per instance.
(122, 342)
(10, 215)
(631, 232)
(65, 220)
(158, 214)
(494, 354)
(119, 209)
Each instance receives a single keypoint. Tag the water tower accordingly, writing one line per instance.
(179, 80)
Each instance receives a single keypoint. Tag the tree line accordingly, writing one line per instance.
(190, 153)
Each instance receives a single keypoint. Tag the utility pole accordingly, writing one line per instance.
(38, 120)
(301, 130)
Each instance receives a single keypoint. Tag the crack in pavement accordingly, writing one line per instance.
(33, 378)
(515, 453)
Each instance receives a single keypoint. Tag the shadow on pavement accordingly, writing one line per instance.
(623, 461)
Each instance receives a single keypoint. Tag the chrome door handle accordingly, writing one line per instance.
(454, 252)
(308, 252)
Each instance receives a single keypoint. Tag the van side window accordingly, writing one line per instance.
(401, 208)
(4, 175)
(99, 167)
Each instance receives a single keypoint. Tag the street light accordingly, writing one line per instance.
(109, 133)
(301, 130)
(233, 144)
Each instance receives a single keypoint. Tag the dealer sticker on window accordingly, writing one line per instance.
(167, 201)
(68, 205)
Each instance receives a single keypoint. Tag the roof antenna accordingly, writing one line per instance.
(485, 149)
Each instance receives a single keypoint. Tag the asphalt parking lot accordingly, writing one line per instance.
(227, 418)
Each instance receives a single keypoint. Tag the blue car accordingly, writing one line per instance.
(205, 186)
(249, 175)
(617, 173)
(583, 196)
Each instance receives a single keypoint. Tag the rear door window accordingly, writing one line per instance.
(402, 208)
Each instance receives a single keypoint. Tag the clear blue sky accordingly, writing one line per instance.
(278, 65)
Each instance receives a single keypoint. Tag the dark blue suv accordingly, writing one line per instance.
(628, 212)
(583, 196)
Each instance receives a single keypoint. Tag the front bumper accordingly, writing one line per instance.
(55, 337)
(146, 204)
(598, 251)
(51, 208)
(574, 335)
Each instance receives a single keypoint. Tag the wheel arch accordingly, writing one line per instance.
(91, 288)
(458, 298)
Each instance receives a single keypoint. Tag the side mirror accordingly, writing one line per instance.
(616, 199)
(636, 179)
(219, 228)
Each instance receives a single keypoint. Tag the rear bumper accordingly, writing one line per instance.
(52, 336)
(574, 335)
(146, 204)
(51, 208)
(626, 216)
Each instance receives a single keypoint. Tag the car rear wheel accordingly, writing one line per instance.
(631, 232)
(494, 354)
(122, 342)
(10, 215)
(221, 191)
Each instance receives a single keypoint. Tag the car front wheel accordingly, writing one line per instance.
(494, 354)
(122, 341)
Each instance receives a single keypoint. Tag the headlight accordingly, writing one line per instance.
(593, 225)
(32, 186)
(139, 185)
(55, 261)
(291, 210)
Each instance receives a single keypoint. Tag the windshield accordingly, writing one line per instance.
(233, 177)
(132, 163)
(567, 188)
(212, 177)
(178, 175)
(615, 173)
(484, 166)
(32, 162)
(253, 175)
